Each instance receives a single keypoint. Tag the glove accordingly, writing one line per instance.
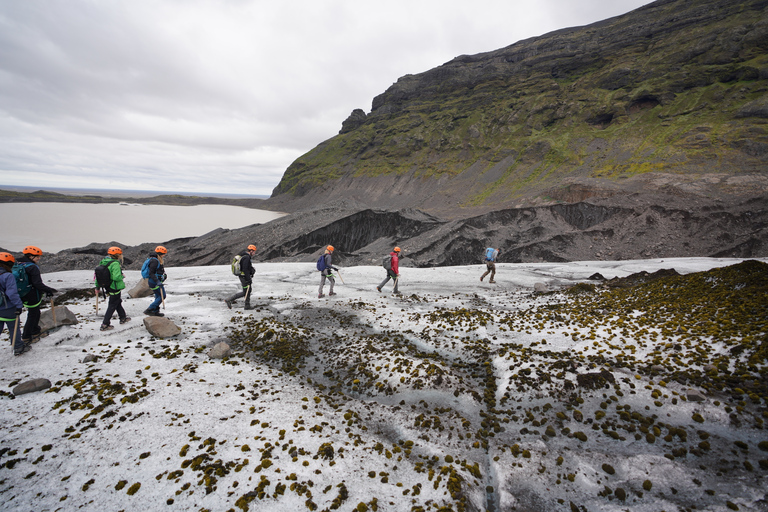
(164, 277)
(18, 311)
(49, 294)
(334, 268)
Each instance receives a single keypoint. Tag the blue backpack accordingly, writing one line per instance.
(490, 254)
(321, 263)
(22, 278)
(145, 269)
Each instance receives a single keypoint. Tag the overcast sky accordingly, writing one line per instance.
(221, 96)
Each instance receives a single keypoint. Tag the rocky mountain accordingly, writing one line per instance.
(640, 136)
(677, 87)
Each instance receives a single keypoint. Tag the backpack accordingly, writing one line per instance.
(145, 269)
(236, 265)
(103, 276)
(387, 262)
(22, 279)
(490, 254)
(321, 263)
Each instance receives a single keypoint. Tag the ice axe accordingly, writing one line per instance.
(15, 330)
(53, 311)
(342, 279)
(96, 290)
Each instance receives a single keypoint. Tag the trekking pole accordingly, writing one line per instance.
(97, 300)
(247, 293)
(53, 312)
(162, 295)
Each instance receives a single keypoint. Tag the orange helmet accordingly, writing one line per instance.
(161, 250)
(32, 250)
(396, 249)
(7, 257)
(251, 247)
(330, 248)
(114, 251)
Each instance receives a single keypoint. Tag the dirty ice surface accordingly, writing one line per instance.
(359, 401)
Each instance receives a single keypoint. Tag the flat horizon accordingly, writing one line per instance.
(126, 192)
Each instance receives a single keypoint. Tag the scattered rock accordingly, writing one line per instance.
(90, 358)
(161, 327)
(597, 276)
(140, 290)
(694, 395)
(31, 386)
(595, 380)
(220, 351)
(63, 317)
(540, 288)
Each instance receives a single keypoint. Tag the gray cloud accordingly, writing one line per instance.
(221, 96)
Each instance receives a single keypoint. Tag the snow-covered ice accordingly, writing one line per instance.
(432, 400)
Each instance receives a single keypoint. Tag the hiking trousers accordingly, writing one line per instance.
(32, 302)
(115, 304)
(8, 319)
(159, 292)
(326, 274)
(246, 291)
(491, 266)
(390, 275)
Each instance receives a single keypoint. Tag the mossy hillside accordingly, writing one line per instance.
(682, 109)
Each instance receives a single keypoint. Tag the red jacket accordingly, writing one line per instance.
(395, 267)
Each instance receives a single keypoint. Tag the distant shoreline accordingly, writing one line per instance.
(9, 195)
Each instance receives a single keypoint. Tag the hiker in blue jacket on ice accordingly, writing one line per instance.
(156, 276)
(10, 303)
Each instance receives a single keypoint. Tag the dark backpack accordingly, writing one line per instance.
(321, 263)
(22, 278)
(387, 262)
(103, 277)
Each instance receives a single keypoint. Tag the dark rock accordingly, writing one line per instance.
(355, 119)
(31, 386)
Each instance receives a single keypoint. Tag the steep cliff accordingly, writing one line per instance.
(677, 86)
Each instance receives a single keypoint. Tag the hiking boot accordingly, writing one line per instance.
(481, 278)
(378, 289)
(106, 327)
(332, 293)
(248, 306)
(125, 320)
(492, 282)
(26, 348)
(320, 295)
(153, 312)
(228, 303)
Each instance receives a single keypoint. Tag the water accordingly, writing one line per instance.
(57, 226)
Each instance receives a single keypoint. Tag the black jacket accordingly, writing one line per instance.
(246, 267)
(38, 287)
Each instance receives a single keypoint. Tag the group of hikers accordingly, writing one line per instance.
(21, 285)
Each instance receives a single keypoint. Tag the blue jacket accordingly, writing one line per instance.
(9, 290)
(156, 272)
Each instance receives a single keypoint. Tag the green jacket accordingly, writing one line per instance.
(115, 272)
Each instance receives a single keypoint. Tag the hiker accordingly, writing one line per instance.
(112, 282)
(32, 296)
(490, 263)
(391, 263)
(325, 265)
(155, 273)
(10, 304)
(243, 268)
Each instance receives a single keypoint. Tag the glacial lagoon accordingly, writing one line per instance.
(57, 226)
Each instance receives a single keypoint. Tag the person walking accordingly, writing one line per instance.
(33, 296)
(156, 277)
(111, 280)
(393, 272)
(491, 255)
(246, 274)
(325, 266)
(10, 304)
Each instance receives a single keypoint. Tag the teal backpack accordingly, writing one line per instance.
(145, 269)
(22, 278)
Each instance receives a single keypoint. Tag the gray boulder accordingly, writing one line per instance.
(63, 317)
(694, 395)
(31, 386)
(140, 290)
(161, 327)
(220, 351)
